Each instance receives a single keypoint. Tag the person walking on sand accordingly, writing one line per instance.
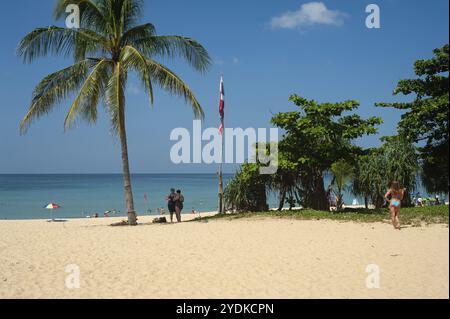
(171, 203)
(179, 200)
(394, 197)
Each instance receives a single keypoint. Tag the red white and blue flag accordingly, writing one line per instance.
(222, 106)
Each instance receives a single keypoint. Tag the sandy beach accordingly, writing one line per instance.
(248, 258)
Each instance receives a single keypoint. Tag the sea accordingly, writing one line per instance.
(25, 196)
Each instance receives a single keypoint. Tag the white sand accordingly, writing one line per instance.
(257, 258)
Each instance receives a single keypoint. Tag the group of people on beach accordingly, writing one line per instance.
(175, 202)
(393, 197)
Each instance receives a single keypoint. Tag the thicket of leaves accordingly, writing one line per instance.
(426, 118)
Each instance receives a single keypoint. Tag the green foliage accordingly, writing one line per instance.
(370, 181)
(435, 167)
(401, 162)
(284, 182)
(108, 45)
(343, 172)
(247, 190)
(317, 136)
(417, 216)
(396, 160)
(426, 117)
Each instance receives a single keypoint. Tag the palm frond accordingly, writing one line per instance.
(56, 40)
(91, 13)
(109, 32)
(170, 82)
(134, 60)
(114, 96)
(130, 13)
(86, 102)
(53, 89)
(171, 45)
(138, 34)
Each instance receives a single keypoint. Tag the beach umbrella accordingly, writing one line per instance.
(52, 206)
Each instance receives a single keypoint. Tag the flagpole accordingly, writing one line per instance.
(221, 199)
(221, 203)
(221, 193)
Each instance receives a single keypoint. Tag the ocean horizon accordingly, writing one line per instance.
(24, 196)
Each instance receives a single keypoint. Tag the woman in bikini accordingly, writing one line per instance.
(394, 197)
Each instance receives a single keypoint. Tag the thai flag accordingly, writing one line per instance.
(221, 106)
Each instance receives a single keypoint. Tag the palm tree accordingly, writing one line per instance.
(396, 160)
(370, 180)
(343, 173)
(108, 46)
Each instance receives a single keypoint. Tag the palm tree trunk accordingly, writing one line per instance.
(132, 220)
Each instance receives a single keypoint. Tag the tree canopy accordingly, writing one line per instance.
(395, 160)
(316, 136)
(426, 118)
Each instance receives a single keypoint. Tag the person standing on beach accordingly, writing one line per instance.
(394, 197)
(179, 200)
(171, 203)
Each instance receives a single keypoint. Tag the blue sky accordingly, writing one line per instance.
(326, 55)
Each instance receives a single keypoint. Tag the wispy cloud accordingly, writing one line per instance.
(311, 13)
(235, 60)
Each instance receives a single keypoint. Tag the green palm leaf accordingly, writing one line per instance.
(53, 89)
(87, 100)
(171, 45)
(56, 40)
(170, 82)
(132, 59)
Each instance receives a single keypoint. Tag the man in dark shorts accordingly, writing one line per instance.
(171, 203)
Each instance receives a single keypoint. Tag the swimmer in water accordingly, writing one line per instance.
(394, 197)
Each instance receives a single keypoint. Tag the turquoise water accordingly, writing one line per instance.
(24, 196)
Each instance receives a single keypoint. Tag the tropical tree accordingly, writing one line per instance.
(395, 160)
(426, 118)
(401, 164)
(247, 191)
(284, 182)
(317, 136)
(343, 172)
(108, 46)
(370, 180)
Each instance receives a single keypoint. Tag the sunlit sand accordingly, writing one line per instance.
(257, 258)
